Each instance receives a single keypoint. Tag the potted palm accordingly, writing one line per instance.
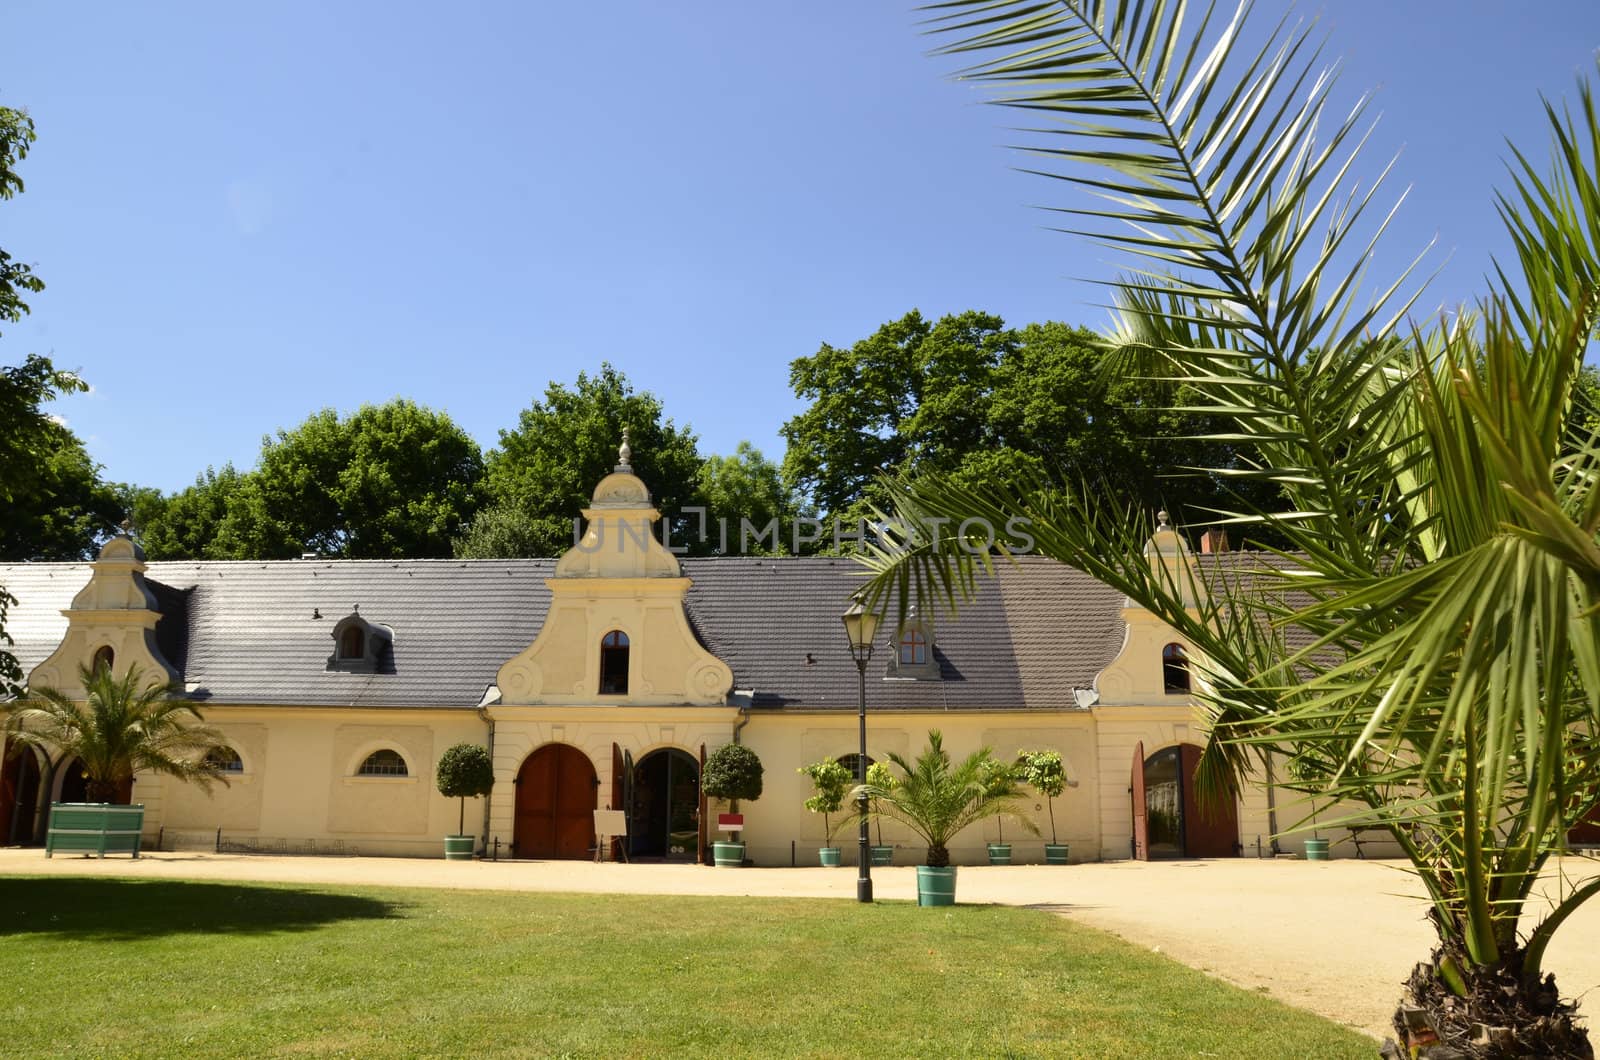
(122, 726)
(879, 776)
(937, 800)
(829, 782)
(731, 772)
(999, 781)
(1045, 773)
(465, 771)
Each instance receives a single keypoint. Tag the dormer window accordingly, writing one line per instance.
(1174, 670)
(913, 647)
(614, 664)
(359, 646)
(913, 658)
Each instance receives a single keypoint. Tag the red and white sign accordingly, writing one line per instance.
(730, 822)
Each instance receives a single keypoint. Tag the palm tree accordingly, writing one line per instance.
(937, 800)
(1426, 644)
(120, 727)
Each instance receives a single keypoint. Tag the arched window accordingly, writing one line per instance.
(353, 642)
(225, 760)
(103, 658)
(614, 664)
(1174, 669)
(849, 762)
(384, 763)
(913, 647)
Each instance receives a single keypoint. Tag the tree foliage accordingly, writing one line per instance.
(546, 468)
(465, 771)
(1438, 505)
(744, 487)
(732, 772)
(829, 782)
(971, 399)
(120, 727)
(16, 279)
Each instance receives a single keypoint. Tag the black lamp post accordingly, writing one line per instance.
(861, 627)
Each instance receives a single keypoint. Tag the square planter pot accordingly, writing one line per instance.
(459, 847)
(1316, 850)
(999, 853)
(728, 855)
(883, 855)
(1056, 853)
(94, 828)
(829, 856)
(936, 886)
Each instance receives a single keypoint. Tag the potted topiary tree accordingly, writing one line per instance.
(937, 800)
(829, 782)
(464, 772)
(731, 772)
(878, 776)
(999, 782)
(1046, 773)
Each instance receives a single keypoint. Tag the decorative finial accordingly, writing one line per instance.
(127, 527)
(625, 453)
(1163, 521)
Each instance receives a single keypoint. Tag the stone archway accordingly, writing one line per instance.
(21, 777)
(555, 804)
(664, 818)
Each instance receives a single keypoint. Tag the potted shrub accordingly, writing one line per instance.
(999, 781)
(464, 772)
(1045, 773)
(879, 776)
(122, 726)
(829, 782)
(732, 772)
(937, 800)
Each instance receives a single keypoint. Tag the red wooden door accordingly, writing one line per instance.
(556, 791)
(1586, 831)
(1211, 831)
(1141, 825)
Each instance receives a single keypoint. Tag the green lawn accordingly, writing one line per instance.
(146, 968)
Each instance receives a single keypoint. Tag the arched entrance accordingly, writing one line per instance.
(20, 777)
(1168, 820)
(555, 804)
(664, 818)
(73, 785)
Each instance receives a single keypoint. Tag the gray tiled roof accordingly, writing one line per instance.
(245, 632)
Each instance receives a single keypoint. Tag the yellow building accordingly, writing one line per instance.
(601, 680)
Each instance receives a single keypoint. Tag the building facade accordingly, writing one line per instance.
(600, 681)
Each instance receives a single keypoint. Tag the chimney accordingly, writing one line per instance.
(1214, 539)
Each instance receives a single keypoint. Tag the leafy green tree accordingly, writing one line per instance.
(121, 726)
(62, 508)
(390, 480)
(744, 487)
(545, 470)
(222, 516)
(465, 771)
(938, 799)
(971, 399)
(829, 782)
(1437, 493)
(16, 138)
(1045, 773)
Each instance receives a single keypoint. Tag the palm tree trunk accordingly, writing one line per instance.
(101, 790)
(1486, 1011)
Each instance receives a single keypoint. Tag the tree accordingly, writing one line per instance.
(121, 727)
(969, 398)
(222, 516)
(61, 508)
(938, 800)
(16, 137)
(465, 771)
(1045, 773)
(829, 781)
(744, 487)
(1436, 506)
(547, 467)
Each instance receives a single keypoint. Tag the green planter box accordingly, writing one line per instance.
(459, 847)
(936, 886)
(94, 828)
(883, 855)
(1316, 850)
(829, 856)
(1055, 853)
(999, 853)
(728, 855)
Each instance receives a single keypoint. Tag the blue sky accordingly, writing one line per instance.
(246, 213)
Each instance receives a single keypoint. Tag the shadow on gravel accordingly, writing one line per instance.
(133, 909)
